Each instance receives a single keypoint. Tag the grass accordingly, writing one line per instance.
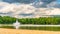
(35, 28)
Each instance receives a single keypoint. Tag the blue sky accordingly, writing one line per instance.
(26, 0)
(58, 1)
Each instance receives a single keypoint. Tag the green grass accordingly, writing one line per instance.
(35, 28)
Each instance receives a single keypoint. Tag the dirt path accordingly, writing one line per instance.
(20, 31)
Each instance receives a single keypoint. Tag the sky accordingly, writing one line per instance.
(26, 7)
(35, 3)
(58, 1)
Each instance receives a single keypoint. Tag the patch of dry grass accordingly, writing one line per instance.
(20, 31)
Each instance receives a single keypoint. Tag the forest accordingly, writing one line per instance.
(37, 21)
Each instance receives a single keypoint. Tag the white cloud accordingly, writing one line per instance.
(25, 8)
(16, 9)
(6, 7)
(41, 2)
(55, 12)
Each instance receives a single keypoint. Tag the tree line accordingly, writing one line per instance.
(39, 21)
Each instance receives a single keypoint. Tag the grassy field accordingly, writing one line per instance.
(24, 31)
(35, 28)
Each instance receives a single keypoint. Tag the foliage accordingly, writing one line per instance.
(7, 20)
(41, 20)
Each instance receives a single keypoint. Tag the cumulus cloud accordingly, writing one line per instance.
(31, 9)
(55, 11)
(6, 7)
(44, 4)
(13, 9)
